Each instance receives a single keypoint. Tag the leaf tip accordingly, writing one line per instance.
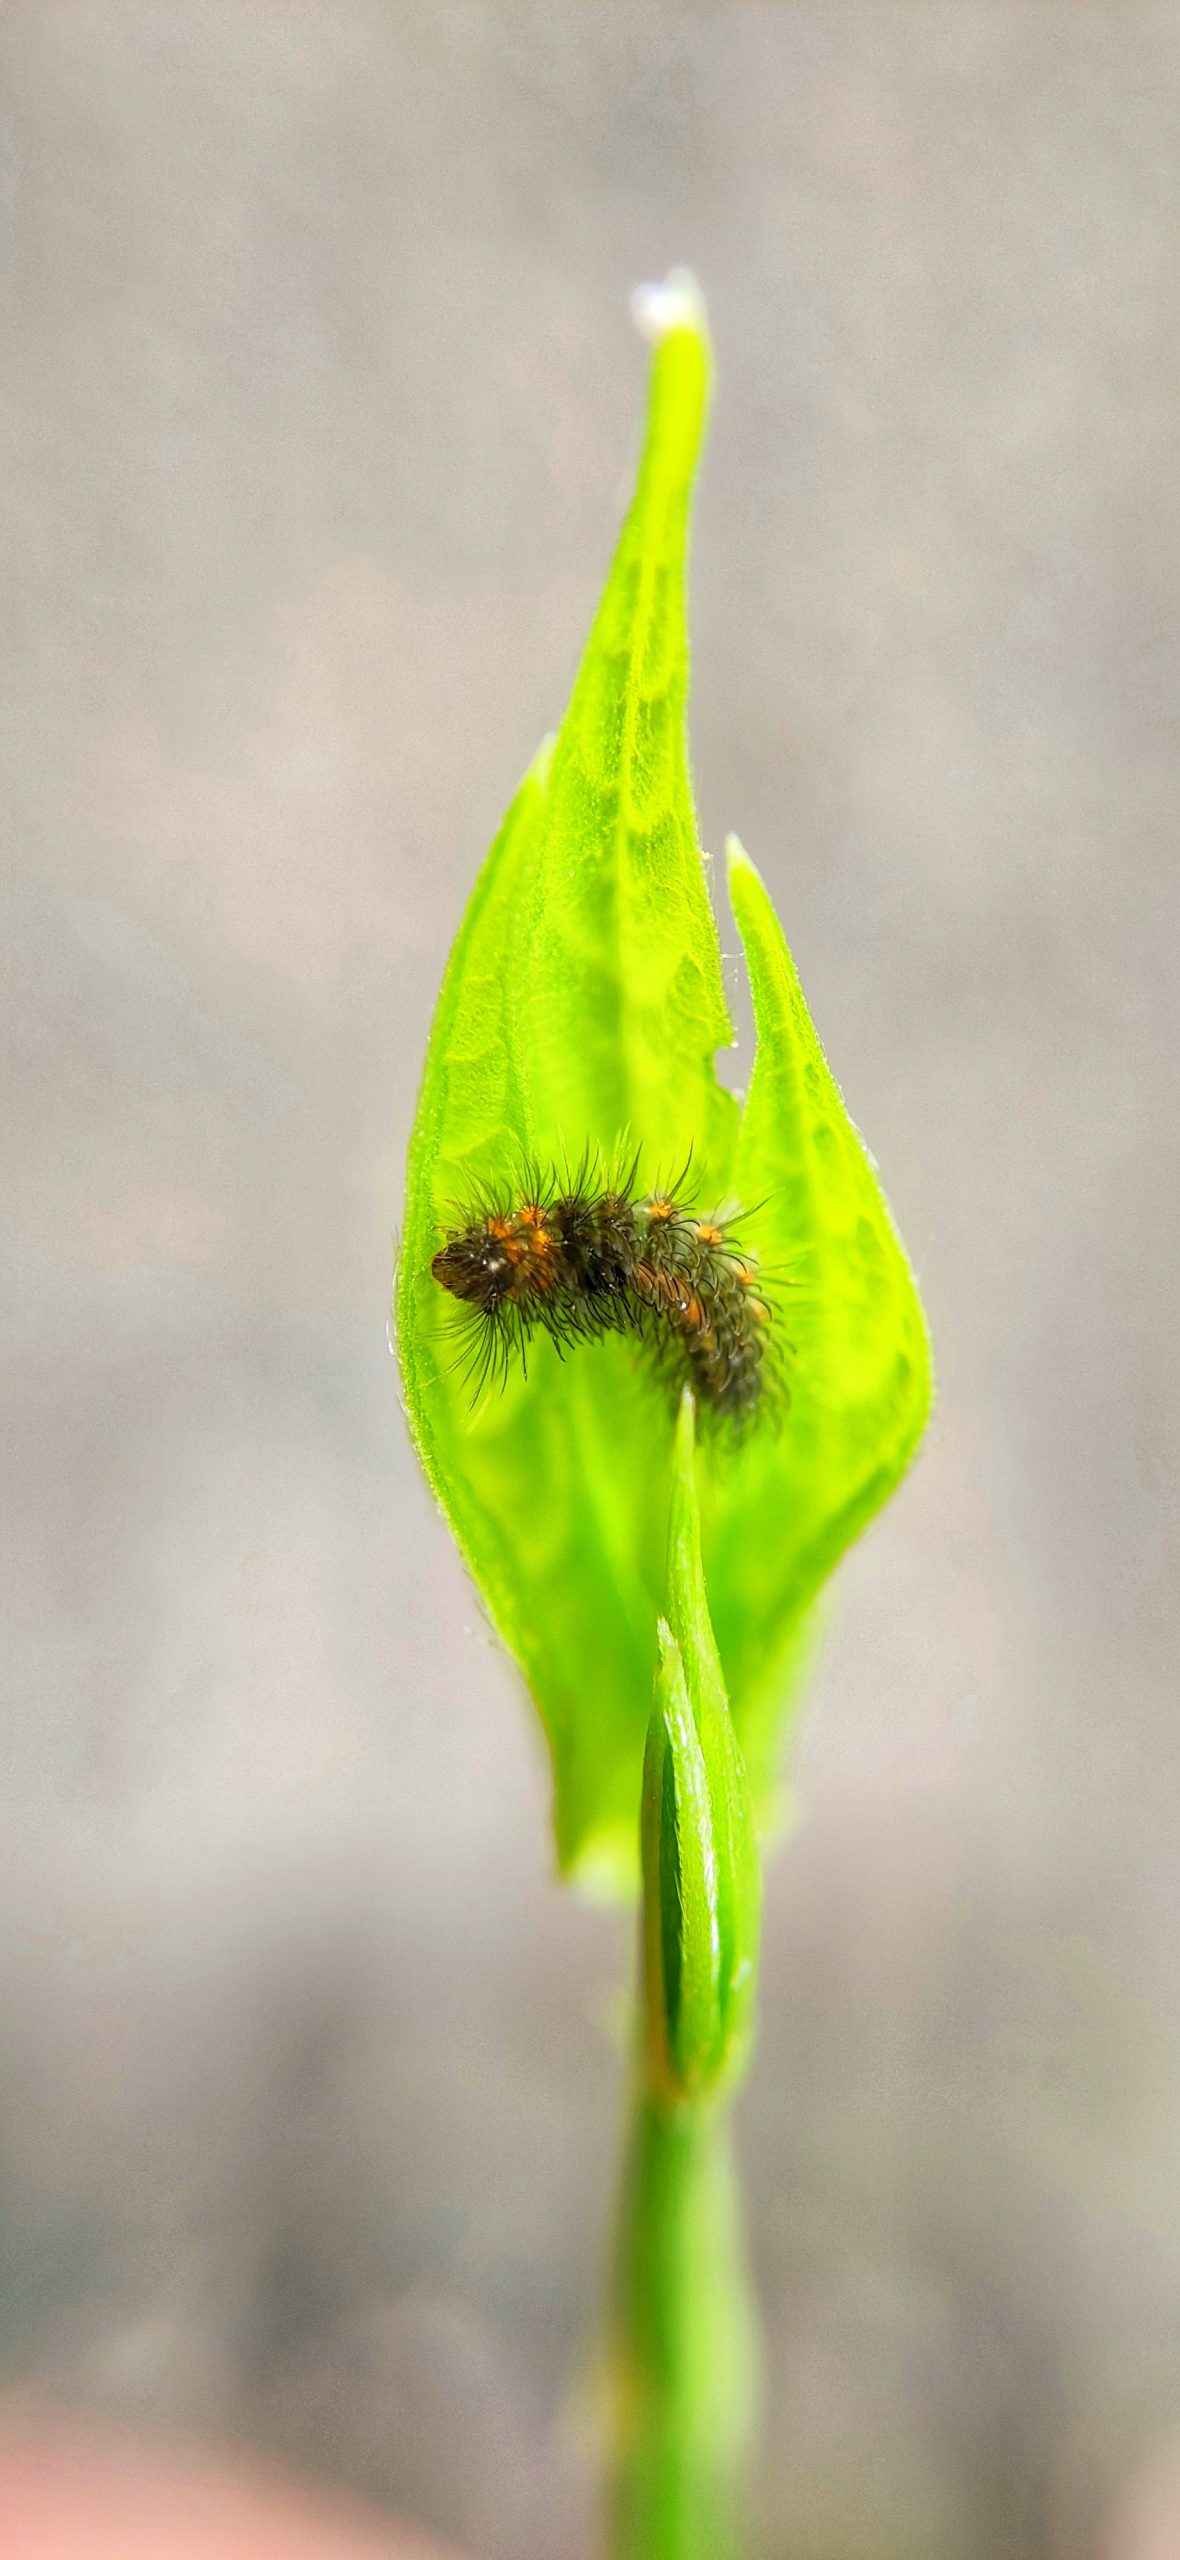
(686, 1425)
(738, 863)
(658, 310)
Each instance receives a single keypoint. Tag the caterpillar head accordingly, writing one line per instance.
(476, 1267)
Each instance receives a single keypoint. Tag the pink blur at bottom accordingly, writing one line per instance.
(72, 2493)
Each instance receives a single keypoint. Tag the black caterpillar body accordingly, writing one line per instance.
(577, 1262)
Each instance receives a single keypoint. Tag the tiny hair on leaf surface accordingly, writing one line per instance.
(578, 1022)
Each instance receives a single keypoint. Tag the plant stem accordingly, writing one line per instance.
(684, 2361)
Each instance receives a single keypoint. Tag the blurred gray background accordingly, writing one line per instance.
(320, 404)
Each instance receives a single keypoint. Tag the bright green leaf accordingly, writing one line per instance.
(858, 1370)
(701, 1877)
(582, 1007)
(681, 1926)
(618, 1000)
(738, 1881)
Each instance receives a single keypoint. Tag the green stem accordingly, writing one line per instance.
(683, 2362)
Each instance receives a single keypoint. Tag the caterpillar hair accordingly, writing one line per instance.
(578, 1257)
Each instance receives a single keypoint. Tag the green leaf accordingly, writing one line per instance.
(735, 1849)
(858, 1369)
(681, 1925)
(582, 1004)
(701, 1877)
(582, 1007)
(618, 999)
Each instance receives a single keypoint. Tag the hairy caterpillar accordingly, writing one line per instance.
(577, 1259)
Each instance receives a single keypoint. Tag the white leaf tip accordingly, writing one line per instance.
(678, 303)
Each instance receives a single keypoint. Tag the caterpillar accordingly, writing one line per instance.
(577, 1259)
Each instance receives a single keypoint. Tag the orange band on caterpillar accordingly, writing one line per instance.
(576, 1262)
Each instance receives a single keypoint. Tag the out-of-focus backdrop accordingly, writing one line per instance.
(321, 402)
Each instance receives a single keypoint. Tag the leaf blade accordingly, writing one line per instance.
(557, 1493)
(738, 1888)
(859, 1374)
(623, 1004)
(683, 2001)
